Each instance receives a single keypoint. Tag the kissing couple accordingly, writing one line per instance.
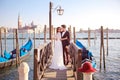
(60, 52)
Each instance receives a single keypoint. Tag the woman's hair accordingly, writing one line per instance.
(57, 29)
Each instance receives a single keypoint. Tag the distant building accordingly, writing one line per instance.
(30, 28)
(19, 22)
(3, 29)
(26, 28)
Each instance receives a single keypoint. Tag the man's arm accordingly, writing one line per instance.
(63, 38)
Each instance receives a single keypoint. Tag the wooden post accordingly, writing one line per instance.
(50, 20)
(107, 40)
(102, 49)
(95, 38)
(36, 64)
(52, 31)
(5, 37)
(52, 40)
(22, 37)
(69, 29)
(88, 37)
(79, 60)
(103, 53)
(13, 38)
(54, 36)
(1, 42)
(39, 34)
(23, 70)
(34, 38)
(45, 34)
(74, 34)
(17, 49)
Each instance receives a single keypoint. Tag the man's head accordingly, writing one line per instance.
(63, 27)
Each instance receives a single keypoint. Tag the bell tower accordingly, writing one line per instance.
(19, 22)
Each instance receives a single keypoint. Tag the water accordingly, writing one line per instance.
(112, 60)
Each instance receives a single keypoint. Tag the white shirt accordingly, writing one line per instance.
(63, 33)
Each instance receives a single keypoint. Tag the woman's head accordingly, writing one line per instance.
(58, 29)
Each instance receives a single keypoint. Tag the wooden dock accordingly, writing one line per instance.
(42, 59)
(56, 74)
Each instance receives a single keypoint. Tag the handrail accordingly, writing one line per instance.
(42, 57)
(76, 57)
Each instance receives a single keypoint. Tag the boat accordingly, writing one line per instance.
(9, 58)
(86, 54)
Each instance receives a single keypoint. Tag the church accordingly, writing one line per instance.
(27, 28)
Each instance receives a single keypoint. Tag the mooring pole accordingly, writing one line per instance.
(22, 37)
(17, 49)
(50, 20)
(107, 40)
(5, 37)
(74, 34)
(88, 37)
(95, 38)
(39, 34)
(13, 38)
(45, 34)
(34, 38)
(69, 29)
(102, 49)
(1, 42)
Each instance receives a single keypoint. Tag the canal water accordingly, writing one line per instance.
(112, 60)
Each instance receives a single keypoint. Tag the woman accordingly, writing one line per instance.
(57, 59)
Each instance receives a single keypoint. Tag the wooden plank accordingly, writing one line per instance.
(56, 74)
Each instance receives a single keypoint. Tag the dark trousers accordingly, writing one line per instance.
(65, 55)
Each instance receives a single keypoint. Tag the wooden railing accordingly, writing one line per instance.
(42, 57)
(76, 56)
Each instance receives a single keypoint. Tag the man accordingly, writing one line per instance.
(65, 38)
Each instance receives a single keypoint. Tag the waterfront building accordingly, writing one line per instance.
(3, 29)
(19, 22)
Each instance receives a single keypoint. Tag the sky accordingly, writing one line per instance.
(82, 14)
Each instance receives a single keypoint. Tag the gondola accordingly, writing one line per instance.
(9, 58)
(86, 54)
